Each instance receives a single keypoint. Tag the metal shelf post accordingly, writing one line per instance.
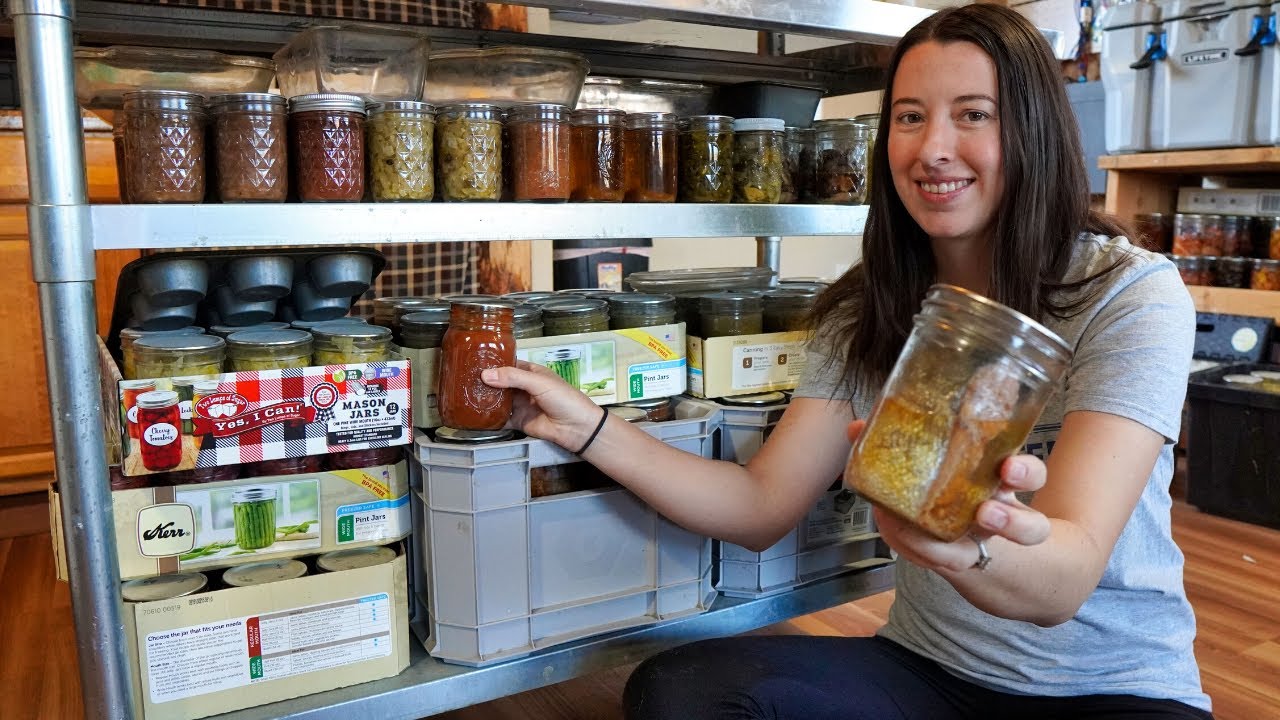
(63, 265)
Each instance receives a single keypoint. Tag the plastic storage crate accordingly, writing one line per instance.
(503, 573)
(747, 579)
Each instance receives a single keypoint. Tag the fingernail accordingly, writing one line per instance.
(993, 518)
(1017, 471)
(489, 375)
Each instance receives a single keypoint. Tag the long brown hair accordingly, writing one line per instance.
(1044, 209)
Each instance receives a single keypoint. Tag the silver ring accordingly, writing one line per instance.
(984, 557)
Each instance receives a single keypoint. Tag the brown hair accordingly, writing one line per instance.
(1044, 209)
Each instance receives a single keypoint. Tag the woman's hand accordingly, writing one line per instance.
(1001, 516)
(547, 407)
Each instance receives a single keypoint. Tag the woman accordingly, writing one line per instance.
(1071, 606)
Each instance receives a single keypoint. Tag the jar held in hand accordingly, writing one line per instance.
(480, 336)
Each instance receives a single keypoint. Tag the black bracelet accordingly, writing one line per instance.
(603, 417)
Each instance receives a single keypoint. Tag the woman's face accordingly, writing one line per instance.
(944, 140)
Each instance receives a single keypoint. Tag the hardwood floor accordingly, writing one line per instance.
(1232, 576)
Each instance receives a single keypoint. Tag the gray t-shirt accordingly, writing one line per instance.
(1134, 634)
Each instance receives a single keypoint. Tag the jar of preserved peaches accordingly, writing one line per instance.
(706, 159)
(650, 150)
(159, 430)
(539, 138)
(328, 149)
(164, 146)
(480, 336)
(597, 155)
(1186, 234)
(401, 151)
(1266, 275)
(1236, 239)
(251, 147)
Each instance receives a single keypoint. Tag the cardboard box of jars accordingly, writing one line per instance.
(746, 364)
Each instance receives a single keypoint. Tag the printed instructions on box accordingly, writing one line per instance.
(201, 659)
(374, 521)
(656, 379)
(766, 364)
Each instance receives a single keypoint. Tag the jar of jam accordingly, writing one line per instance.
(797, 165)
(250, 141)
(971, 380)
(423, 330)
(327, 148)
(572, 316)
(1155, 231)
(1212, 240)
(706, 159)
(1187, 229)
(632, 310)
(1273, 245)
(528, 321)
(159, 430)
(345, 343)
(401, 151)
(1266, 275)
(539, 142)
(268, 350)
(164, 146)
(597, 155)
(469, 152)
(1232, 272)
(757, 160)
(1236, 239)
(649, 146)
(1194, 270)
(731, 313)
(840, 162)
(480, 336)
(787, 309)
(360, 459)
(166, 356)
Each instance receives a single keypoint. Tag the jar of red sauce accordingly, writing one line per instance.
(480, 336)
(327, 150)
(160, 430)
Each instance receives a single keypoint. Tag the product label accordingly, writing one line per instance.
(165, 530)
(371, 521)
(694, 348)
(591, 367)
(609, 276)
(656, 379)
(290, 522)
(837, 515)
(160, 434)
(202, 659)
(766, 365)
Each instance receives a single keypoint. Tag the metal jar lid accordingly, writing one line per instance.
(178, 100)
(224, 331)
(253, 494)
(641, 302)
(308, 324)
(526, 296)
(274, 339)
(756, 400)
(156, 399)
(708, 123)
(467, 298)
(355, 558)
(350, 330)
(450, 435)
(327, 101)
(630, 414)
(179, 343)
(573, 308)
(164, 587)
(527, 314)
(425, 319)
(650, 404)
(261, 573)
(403, 106)
(759, 125)
(248, 102)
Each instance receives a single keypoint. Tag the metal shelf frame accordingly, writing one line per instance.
(65, 230)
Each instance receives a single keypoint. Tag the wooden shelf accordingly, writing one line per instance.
(1189, 162)
(1257, 303)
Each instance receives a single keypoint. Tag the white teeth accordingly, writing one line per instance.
(944, 188)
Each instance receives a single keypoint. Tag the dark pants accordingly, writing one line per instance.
(834, 678)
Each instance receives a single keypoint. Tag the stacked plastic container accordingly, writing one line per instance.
(1131, 46)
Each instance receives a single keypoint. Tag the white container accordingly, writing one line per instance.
(1266, 119)
(781, 574)
(1132, 36)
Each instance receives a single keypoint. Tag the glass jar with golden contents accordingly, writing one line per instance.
(597, 155)
(539, 139)
(268, 350)
(166, 356)
(706, 159)
(347, 343)
(757, 160)
(649, 149)
(401, 151)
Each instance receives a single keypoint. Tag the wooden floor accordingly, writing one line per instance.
(1233, 579)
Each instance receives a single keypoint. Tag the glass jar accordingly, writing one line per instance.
(655, 409)
(1266, 275)
(117, 141)
(787, 309)
(650, 157)
(706, 159)
(263, 573)
(597, 155)
(129, 392)
(757, 160)
(159, 430)
(166, 356)
(1212, 241)
(526, 296)
(383, 311)
(567, 363)
(963, 396)
(632, 310)
(1273, 244)
(872, 121)
(327, 147)
(840, 162)
(128, 336)
(251, 147)
(226, 331)
(163, 587)
(539, 139)
(528, 321)
(689, 312)
(164, 146)
(268, 350)
(401, 151)
(1232, 272)
(423, 330)
(1193, 270)
(360, 459)
(572, 316)
(797, 163)
(354, 559)
(253, 511)
(1236, 241)
(343, 343)
(731, 313)
(469, 152)
(405, 305)
(1187, 229)
(480, 337)
(1155, 231)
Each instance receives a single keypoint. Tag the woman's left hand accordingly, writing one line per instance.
(1002, 516)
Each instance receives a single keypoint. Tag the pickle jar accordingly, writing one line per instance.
(327, 147)
(539, 141)
(253, 512)
(1187, 229)
(162, 356)
(1212, 240)
(757, 160)
(787, 309)
(528, 321)
(480, 336)
(251, 147)
(597, 155)
(840, 161)
(649, 147)
(797, 163)
(268, 350)
(706, 159)
(401, 151)
(164, 146)
(1155, 231)
(969, 385)
(423, 330)
(469, 152)
(1266, 275)
(1232, 272)
(348, 343)
(572, 316)
(632, 310)
(128, 336)
(731, 313)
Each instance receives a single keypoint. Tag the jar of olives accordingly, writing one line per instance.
(165, 356)
(401, 151)
(343, 343)
(731, 313)
(469, 152)
(757, 160)
(706, 159)
(632, 310)
(268, 350)
(572, 316)
(597, 155)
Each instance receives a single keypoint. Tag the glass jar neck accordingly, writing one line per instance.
(481, 317)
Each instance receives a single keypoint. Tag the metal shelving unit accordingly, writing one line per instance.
(65, 231)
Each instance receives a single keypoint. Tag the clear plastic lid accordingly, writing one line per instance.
(683, 282)
(505, 75)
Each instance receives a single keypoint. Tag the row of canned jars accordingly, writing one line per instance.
(1192, 234)
(1232, 272)
(336, 148)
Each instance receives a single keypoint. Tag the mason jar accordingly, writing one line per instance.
(731, 313)
(328, 148)
(401, 151)
(424, 329)
(164, 146)
(757, 160)
(797, 162)
(787, 309)
(167, 356)
(650, 157)
(632, 310)
(347, 343)
(268, 350)
(597, 155)
(840, 162)
(706, 159)
(251, 146)
(469, 152)
(572, 316)
(538, 137)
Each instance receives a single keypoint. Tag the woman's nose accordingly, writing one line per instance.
(938, 144)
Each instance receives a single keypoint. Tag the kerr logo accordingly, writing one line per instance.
(165, 530)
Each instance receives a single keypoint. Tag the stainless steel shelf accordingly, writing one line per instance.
(429, 686)
(118, 227)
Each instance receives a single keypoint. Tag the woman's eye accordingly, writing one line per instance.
(975, 116)
(910, 118)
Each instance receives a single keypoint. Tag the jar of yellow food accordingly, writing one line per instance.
(401, 151)
(129, 336)
(268, 350)
(167, 356)
(348, 343)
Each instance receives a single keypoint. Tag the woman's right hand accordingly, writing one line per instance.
(547, 407)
